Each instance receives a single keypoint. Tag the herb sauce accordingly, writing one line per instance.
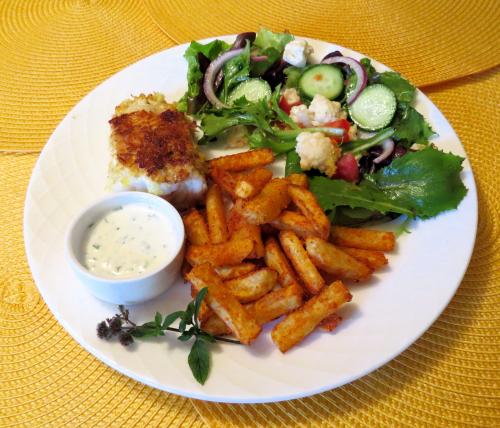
(127, 242)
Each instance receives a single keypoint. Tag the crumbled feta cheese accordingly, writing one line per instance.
(323, 110)
(301, 115)
(291, 96)
(353, 133)
(317, 151)
(296, 53)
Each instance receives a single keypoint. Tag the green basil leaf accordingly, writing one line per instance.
(158, 319)
(197, 301)
(170, 318)
(199, 361)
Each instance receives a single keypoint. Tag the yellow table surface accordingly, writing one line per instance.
(54, 52)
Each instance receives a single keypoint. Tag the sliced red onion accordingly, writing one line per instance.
(387, 149)
(259, 58)
(357, 68)
(211, 73)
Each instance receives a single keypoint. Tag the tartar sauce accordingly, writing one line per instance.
(127, 242)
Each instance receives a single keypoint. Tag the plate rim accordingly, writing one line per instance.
(472, 190)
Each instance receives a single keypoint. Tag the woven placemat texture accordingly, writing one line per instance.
(451, 375)
(428, 41)
(55, 52)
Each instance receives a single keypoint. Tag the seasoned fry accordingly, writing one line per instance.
(196, 228)
(228, 253)
(308, 205)
(300, 323)
(242, 161)
(239, 228)
(268, 204)
(251, 231)
(216, 216)
(330, 323)
(296, 222)
(298, 180)
(230, 311)
(225, 180)
(275, 259)
(373, 259)
(215, 326)
(292, 246)
(329, 258)
(252, 286)
(364, 239)
(230, 272)
(248, 184)
(276, 303)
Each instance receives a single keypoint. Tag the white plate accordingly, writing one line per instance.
(385, 317)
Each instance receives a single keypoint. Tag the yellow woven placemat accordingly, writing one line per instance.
(451, 375)
(54, 52)
(428, 41)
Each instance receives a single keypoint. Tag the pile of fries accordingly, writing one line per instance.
(264, 248)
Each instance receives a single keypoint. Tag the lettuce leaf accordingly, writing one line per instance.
(419, 184)
(404, 90)
(411, 127)
(194, 74)
(332, 193)
(427, 181)
(236, 70)
(269, 44)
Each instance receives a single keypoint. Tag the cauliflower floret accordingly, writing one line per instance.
(301, 115)
(291, 96)
(323, 110)
(296, 53)
(353, 133)
(317, 151)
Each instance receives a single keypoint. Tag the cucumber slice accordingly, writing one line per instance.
(374, 108)
(252, 89)
(323, 79)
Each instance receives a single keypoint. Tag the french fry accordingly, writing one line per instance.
(228, 253)
(292, 246)
(225, 180)
(275, 304)
(250, 183)
(330, 259)
(268, 204)
(296, 222)
(243, 161)
(230, 272)
(298, 180)
(252, 286)
(229, 310)
(275, 259)
(196, 228)
(239, 228)
(300, 323)
(215, 326)
(216, 216)
(364, 239)
(308, 205)
(373, 259)
(271, 306)
(330, 323)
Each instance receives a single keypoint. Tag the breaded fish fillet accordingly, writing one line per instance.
(153, 149)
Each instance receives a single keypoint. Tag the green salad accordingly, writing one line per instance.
(352, 129)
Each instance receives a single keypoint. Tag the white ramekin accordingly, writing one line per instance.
(138, 289)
